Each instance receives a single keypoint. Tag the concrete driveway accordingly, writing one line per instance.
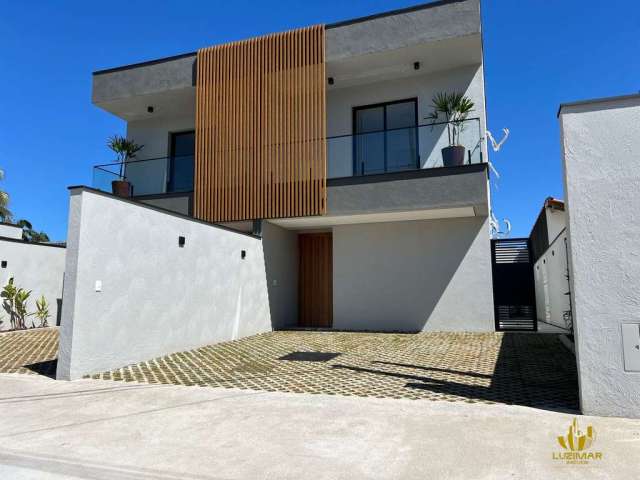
(94, 429)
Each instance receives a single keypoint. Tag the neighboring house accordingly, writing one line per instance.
(600, 145)
(548, 240)
(38, 267)
(318, 140)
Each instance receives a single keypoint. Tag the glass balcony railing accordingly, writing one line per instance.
(148, 177)
(369, 153)
(401, 149)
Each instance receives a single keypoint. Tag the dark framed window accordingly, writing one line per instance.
(385, 137)
(181, 161)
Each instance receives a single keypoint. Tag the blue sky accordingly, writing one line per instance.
(537, 55)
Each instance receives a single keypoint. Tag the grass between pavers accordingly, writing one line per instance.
(525, 369)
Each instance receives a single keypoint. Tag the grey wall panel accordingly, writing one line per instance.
(413, 276)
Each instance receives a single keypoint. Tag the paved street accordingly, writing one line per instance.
(96, 429)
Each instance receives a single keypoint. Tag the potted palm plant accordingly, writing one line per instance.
(125, 150)
(456, 107)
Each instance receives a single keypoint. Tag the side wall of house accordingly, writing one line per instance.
(35, 267)
(132, 293)
(553, 305)
(556, 222)
(600, 144)
(281, 265)
(413, 276)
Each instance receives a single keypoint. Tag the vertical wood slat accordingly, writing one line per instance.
(261, 128)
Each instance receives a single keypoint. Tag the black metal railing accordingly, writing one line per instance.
(368, 153)
(148, 176)
(401, 149)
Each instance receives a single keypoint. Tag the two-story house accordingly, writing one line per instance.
(322, 141)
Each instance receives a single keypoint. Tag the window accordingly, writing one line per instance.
(385, 137)
(181, 164)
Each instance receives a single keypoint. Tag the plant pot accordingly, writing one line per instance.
(121, 188)
(453, 156)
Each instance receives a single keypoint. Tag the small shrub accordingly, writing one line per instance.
(42, 311)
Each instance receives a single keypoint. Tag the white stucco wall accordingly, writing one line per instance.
(600, 143)
(281, 265)
(341, 101)
(556, 222)
(156, 297)
(413, 276)
(10, 231)
(154, 132)
(35, 267)
(552, 284)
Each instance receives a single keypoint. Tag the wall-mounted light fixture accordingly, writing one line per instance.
(181, 241)
(330, 80)
(150, 109)
(4, 264)
(243, 254)
(416, 65)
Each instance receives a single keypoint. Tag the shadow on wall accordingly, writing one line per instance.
(410, 270)
(533, 370)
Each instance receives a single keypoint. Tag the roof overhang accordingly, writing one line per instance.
(439, 35)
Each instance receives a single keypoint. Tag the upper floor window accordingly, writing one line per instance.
(181, 161)
(385, 137)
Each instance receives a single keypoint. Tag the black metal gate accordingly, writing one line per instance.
(514, 293)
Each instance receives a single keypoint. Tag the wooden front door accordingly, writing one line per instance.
(315, 276)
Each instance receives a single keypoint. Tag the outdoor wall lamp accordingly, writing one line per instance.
(150, 109)
(181, 241)
(416, 65)
(4, 264)
(243, 254)
(330, 80)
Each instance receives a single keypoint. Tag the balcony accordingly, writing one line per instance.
(155, 176)
(400, 149)
(370, 153)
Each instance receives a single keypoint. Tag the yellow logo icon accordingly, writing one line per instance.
(576, 444)
(575, 440)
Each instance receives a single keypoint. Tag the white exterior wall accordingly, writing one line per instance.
(35, 267)
(556, 222)
(341, 101)
(600, 143)
(552, 284)
(153, 133)
(10, 231)
(413, 276)
(281, 265)
(155, 298)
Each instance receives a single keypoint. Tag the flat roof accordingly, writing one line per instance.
(343, 23)
(597, 100)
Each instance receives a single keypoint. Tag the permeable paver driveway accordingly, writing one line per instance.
(29, 351)
(525, 369)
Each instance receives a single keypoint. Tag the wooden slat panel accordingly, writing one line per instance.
(261, 127)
